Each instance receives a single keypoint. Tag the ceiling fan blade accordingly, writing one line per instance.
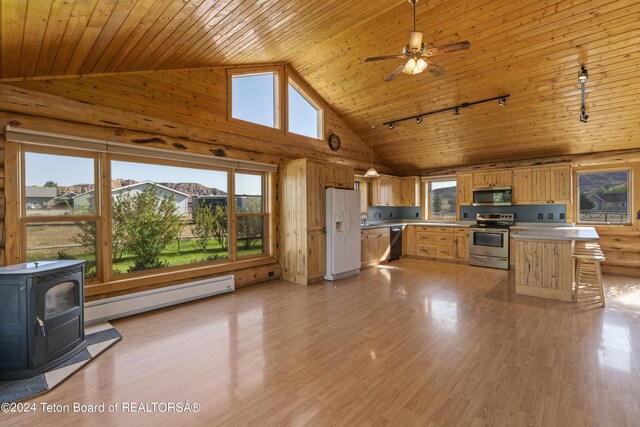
(382, 58)
(436, 70)
(395, 73)
(447, 48)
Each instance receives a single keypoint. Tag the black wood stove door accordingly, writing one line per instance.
(59, 319)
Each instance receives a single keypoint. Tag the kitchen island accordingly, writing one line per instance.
(544, 260)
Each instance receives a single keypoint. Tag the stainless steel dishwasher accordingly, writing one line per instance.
(396, 243)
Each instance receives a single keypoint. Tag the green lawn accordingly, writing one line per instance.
(189, 253)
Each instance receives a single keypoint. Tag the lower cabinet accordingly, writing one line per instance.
(375, 246)
(461, 244)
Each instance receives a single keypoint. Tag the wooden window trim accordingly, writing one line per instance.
(279, 99)
(633, 199)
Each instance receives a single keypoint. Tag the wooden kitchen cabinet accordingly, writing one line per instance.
(461, 244)
(374, 246)
(464, 188)
(551, 184)
(492, 178)
(411, 194)
(302, 184)
(363, 186)
(522, 186)
(409, 240)
(434, 242)
(544, 268)
(389, 190)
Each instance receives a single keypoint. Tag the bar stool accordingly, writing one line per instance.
(587, 258)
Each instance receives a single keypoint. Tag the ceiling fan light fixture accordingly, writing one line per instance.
(421, 65)
(415, 40)
(410, 66)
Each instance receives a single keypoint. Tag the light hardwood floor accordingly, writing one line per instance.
(409, 343)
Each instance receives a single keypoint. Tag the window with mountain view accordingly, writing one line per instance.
(604, 197)
(254, 98)
(250, 214)
(441, 199)
(167, 216)
(56, 224)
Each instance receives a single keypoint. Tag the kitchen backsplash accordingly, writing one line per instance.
(524, 213)
(394, 212)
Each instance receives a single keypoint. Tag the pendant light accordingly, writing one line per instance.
(371, 173)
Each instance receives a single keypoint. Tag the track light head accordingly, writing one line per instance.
(583, 74)
(392, 126)
(456, 111)
(584, 117)
(502, 101)
(418, 120)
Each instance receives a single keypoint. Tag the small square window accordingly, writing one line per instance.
(254, 98)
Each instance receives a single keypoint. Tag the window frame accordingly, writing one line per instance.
(263, 214)
(630, 203)
(426, 191)
(315, 103)
(24, 219)
(278, 97)
(105, 282)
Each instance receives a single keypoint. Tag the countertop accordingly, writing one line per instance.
(459, 224)
(558, 233)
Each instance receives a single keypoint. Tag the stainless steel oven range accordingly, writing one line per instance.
(489, 240)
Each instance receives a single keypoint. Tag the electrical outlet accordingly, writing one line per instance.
(417, 214)
(540, 216)
(561, 216)
(390, 214)
(466, 215)
(549, 215)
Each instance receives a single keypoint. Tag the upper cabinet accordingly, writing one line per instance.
(464, 188)
(389, 190)
(531, 185)
(541, 185)
(338, 176)
(492, 179)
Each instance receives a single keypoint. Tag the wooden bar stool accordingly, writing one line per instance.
(587, 258)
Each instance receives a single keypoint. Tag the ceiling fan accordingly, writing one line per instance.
(417, 53)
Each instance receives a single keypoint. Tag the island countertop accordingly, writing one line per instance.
(558, 233)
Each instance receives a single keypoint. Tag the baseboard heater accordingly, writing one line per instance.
(139, 302)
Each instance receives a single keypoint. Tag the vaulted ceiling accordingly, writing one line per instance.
(530, 49)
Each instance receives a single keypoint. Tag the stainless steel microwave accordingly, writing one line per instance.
(492, 196)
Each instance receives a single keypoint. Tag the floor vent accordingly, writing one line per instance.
(139, 302)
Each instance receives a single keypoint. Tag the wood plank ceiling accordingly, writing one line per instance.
(531, 49)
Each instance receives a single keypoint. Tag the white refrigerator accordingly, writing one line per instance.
(343, 233)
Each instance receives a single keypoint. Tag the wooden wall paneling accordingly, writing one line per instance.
(12, 229)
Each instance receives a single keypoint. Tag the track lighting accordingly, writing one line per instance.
(583, 74)
(584, 117)
(419, 118)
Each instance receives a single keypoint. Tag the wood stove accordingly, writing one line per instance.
(41, 316)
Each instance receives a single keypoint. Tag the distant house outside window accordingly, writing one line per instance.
(305, 116)
(254, 98)
(603, 197)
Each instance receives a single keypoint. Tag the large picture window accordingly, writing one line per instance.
(603, 197)
(59, 218)
(250, 214)
(136, 215)
(167, 216)
(441, 199)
